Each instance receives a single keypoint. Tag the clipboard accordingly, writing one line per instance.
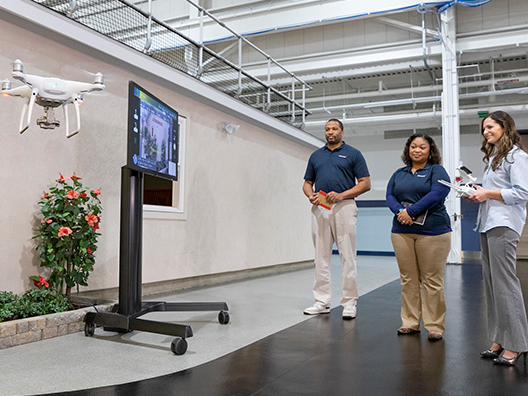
(420, 219)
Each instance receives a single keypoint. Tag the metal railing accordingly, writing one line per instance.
(140, 30)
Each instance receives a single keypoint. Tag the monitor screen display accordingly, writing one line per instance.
(152, 134)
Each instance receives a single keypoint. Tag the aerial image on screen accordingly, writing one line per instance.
(153, 134)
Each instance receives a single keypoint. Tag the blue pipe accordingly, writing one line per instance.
(440, 7)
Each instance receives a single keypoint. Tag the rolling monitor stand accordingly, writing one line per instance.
(130, 307)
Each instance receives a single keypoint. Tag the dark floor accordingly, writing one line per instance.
(328, 356)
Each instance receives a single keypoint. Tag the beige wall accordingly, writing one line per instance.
(244, 205)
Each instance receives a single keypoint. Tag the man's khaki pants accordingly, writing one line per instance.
(336, 225)
(422, 260)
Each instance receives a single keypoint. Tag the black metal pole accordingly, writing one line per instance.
(131, 241)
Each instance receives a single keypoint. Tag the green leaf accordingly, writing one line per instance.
(69, 281)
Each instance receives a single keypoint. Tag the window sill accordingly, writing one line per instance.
(163, 213)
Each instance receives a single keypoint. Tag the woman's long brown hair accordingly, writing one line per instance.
(503, 146)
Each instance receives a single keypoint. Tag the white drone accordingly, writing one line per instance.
(49, 93)
(465, 190)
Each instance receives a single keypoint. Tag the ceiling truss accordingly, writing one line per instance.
(376, 83)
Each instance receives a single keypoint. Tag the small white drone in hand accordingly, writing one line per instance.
(465, 190)
(49, 93)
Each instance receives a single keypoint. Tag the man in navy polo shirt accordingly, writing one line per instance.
(333, 170)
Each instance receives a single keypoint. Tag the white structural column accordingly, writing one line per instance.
(451, 127)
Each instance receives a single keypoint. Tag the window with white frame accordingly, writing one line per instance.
(164, 198)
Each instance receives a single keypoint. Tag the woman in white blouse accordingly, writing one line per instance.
(502, 213)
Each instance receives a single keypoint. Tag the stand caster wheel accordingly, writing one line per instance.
(89, 329)
(223, 317)
(179, 346)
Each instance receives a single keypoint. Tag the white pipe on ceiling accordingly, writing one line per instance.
(419, 116)
(423, 89)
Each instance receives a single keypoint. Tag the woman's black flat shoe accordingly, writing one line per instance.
(490, 354)
(509, 362)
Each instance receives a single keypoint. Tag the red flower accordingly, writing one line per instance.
(62, 178)
(41, 282)
(91, 219)
(75, 178)
(88, 250)
(96, 192)
(96, 227)
(72, 194)
(46, 195)
(83, 195)
(46, 221)
(64, 231)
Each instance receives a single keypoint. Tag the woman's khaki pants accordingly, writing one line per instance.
(422, 260)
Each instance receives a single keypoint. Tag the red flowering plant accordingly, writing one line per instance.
(39, 281)
(68, 234)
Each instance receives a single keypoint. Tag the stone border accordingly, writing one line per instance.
(25, 331)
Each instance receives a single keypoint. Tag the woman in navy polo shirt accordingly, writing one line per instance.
(421, 235)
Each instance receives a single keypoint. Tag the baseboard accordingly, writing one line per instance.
(470, 255)
(375, 253)
(369, 253)
(175, 285)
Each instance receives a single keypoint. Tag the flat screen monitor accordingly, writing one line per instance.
(152, 134)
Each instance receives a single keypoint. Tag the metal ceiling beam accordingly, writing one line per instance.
(489, 83)
(406, 26)
(225, 52)
(408, 119)
(493, 41)
(358, 57)
(290, 15)
(406, 101)
(321, 63)
(360, 71)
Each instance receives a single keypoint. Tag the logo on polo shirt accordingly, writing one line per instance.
(421, 175)
(343, 156)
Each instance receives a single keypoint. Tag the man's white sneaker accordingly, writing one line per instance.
(317, 308)
(349, 312)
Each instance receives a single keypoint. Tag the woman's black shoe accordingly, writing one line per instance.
(490, 354)
(509, 362)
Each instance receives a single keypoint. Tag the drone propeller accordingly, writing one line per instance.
(6, 67)
(80, 74)
(19, 90)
